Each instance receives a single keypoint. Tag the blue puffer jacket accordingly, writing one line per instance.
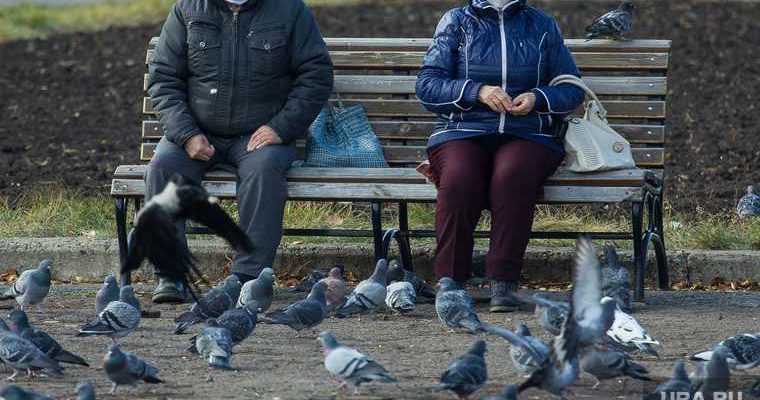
(518, 48)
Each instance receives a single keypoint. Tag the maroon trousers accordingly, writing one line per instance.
(503, 174)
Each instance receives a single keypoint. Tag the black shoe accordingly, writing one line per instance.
(501, 301)
(169, 292)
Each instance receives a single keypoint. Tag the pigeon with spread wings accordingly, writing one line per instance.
(155, 235)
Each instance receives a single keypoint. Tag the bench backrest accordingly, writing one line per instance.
(629, 77)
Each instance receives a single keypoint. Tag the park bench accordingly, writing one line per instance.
(379, 73)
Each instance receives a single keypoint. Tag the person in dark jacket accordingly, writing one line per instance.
(235, 83)
(486, 75)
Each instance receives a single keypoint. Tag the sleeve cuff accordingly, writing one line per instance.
(283, 133)
(541, 104)
(470, 95)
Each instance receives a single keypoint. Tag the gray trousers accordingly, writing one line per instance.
(261, 190)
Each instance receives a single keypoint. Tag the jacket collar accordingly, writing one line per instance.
(511, 7)
(223, 4)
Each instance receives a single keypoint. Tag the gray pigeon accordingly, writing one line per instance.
(743, 351)
(615, 281)
(239, 321)
(85, 391)
(679, 383)
(614, 24)
(396, 272)
(467, 373)
(350, 366)
(712, 376)
(211, 305)
(125, 368)
(31, 287)
(116, 321)
(401, 296)
(509, 392)
(260, 289)
(749, 204)
(551, 314)
(214, 343)
(20, 325)
(13, 392)
(303, 314)
(529, 353)
(455, 307)
(604, 363)
(22, 355)
(335, 288)
(108, 293)
(368, 295)
(127, 295)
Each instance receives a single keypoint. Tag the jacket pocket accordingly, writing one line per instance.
(268, 51)
(203, 47)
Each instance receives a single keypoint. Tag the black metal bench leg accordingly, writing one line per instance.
(639, 251)
(121, 234)
(658, 239)
(377, 229)
(403, 245)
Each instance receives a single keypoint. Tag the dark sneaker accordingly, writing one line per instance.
(501, 301)
(169, 292)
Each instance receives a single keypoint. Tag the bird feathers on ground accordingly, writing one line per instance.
(213, 304)
(614, 24)
(467, 373)
(350, 366)
(368, 295)
(743, 351)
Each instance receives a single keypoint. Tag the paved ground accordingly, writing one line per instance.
(275, 364)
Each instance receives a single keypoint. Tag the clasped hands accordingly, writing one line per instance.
(199, 148)
(499, 101)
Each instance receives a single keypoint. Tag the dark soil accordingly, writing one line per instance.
(70, 105)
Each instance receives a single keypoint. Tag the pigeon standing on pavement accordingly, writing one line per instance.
(401, 296)
(218, 300)
(396, 272)
(14, 392)
(214, 343)
(712, 376)
(124, 368)
(743, 351)
(116, 321)
(20, 325)
(467, 373)
(108, 293)
(31, 287)
(155, 235)
(239, 321)
(350, 366)
(259, 290)
(335, 288)
(85, 390)
(749, 204)
(509, 392)
(368, 295)
(679, 383)
(615, 281)
(22, 355)
(626, 334)
(127, 294)
(455, 308)
(614, 24)
(604, 363)
(303, 314)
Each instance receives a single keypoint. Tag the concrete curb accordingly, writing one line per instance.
(90, 259)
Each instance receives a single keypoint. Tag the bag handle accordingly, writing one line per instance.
(574, 80)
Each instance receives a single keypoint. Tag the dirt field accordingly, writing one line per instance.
(70, 105)
(275, 364)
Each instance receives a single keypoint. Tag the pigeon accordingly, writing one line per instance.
(368, 295)
(31, 287)
(754, 390)
(22, 355)
(335, 290)
(614, 24)
(679, 383)
(108, 293)
(13, 392)
(124, 368)
(20, 326)
(401, 296)
(509, 392)
(260, 290)
(467, 373)
(615, 281)
(155, 235)
(712, 376)
(743, 351)
(218, 300)
(455, 308)
(749, 204)
(316, 275)
(214, 342)
(239, 321)
(397, 273)
(350, 366)
(303, 314)
(528, 353)
(605, 363)
(116, 321)
(551, 314)
(626, 334)
(85, 390)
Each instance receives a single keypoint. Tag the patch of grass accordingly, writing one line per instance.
(36, 21)
(54, 212)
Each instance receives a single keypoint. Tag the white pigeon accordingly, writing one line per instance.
(627, 334)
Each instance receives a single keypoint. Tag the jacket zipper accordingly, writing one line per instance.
(234, 67)
(503, 117)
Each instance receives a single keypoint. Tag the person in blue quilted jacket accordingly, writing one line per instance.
(486, 75)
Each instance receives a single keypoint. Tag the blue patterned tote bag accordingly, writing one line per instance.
(342, 137)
